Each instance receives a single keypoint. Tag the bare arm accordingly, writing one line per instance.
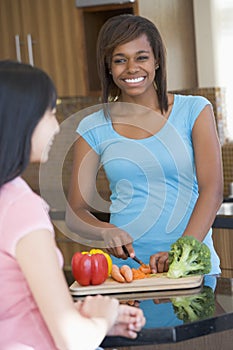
(208, 160)
(83, 197)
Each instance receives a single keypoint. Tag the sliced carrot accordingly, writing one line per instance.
(138, 274)
(145, 268)
(143, 271)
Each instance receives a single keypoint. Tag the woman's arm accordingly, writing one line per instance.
(38, 260)
(208, 160)
(83, 197)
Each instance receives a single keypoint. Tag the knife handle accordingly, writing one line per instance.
(125, 250)
(135, 258)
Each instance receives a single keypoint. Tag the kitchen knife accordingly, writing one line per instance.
(140, 262)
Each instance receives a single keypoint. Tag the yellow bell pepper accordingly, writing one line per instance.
(100, 251)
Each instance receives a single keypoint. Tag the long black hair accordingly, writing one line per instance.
(119, 30)
(26, 93)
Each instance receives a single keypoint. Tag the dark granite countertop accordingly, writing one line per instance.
(165, 325)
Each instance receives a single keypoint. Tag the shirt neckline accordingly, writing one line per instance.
(168, 120)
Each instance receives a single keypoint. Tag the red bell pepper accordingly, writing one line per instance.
(89, 269)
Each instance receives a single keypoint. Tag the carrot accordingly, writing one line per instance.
(138, 274)
(116, 275)
(145, 268)
(143, 271)
(127, 273)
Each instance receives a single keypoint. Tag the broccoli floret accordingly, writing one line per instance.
(188, 256)
(195, 307)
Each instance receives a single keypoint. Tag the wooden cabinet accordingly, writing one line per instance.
(93, 18)
(223, 242)
(175, 21)
(48, 34)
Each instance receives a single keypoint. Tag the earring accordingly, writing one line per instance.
(110, 72)
(157, 66)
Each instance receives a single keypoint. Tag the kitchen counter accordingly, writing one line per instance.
(164, 327)
(224, 217)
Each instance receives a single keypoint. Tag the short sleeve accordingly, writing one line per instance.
(91, 128)
(198, 104)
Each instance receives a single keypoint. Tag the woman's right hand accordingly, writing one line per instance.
(114, 238)
(100, 307)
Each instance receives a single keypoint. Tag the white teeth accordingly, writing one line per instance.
(136, 80)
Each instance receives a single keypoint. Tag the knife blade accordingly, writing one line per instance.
(140, 262)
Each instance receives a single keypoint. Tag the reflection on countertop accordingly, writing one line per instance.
(170, 319)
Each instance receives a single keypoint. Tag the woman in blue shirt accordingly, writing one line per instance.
(160, 152)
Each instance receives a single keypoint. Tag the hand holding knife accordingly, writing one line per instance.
(140, 262)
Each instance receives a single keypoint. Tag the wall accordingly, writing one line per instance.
(174, 19)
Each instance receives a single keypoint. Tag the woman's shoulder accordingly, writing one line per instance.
(14, 189)
(191, 100)
(93, 118)
(18, 193)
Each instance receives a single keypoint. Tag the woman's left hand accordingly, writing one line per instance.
(159, 262)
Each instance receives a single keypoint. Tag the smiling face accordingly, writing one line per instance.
(43, 136)
(133, 68)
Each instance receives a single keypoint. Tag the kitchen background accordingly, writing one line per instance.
(60, 37)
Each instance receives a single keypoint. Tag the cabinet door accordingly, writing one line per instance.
(10, 27)
(51, 28)
(223, 242)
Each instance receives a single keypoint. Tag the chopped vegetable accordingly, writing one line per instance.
(195, 307)
(143, 271)
(188, 256)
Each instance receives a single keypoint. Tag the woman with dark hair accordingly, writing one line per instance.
(23, 105)
(36, 309)
(130, 28)
(160, 152)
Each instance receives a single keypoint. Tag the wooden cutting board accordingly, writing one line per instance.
(153, 283)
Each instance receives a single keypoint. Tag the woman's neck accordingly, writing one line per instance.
(148, 99)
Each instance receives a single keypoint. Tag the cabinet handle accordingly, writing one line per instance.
(17, 46)
(30, 52)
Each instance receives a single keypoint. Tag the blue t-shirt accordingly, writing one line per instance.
(152, 180)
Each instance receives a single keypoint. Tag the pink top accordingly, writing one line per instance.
(21, 324)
